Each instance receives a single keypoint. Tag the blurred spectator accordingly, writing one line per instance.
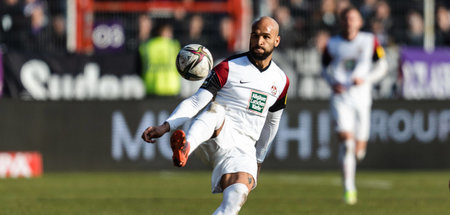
(13, 24)
(290, 37)
(326, 17)
(38, 17)
(195, 32)
(145, 26)
(381, 24)
(378, 29)
(341, 5)
(442, 26)
(38, 33)
(157, 58)
(383, 15)
(301, 14)
(321, 40)
(223, 45)
(300, 7)
(180, 24)
(415, 32)
(367, 10)
(57, 36)
(272, 5)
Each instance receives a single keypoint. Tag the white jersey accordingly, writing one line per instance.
(352, 59)
(247, 92)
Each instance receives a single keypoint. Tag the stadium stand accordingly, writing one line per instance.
(115, 27)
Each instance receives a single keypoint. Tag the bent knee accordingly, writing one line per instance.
(238, 177)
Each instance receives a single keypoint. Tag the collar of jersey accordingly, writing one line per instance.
(254, 64)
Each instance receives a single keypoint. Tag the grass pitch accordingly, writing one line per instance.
(186, 192)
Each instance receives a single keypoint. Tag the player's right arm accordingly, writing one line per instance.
(153, 132)
(187, 109)
(327, 58)
(190, 107)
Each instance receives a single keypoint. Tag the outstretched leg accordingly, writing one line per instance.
(205, 126)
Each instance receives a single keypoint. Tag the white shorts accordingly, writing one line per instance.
(350, 116)
(230, 152)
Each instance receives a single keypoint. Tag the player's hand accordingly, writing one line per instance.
(153, 132)
(338, 88)
(358, 81)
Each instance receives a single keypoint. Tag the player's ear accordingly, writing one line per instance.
(277, 41)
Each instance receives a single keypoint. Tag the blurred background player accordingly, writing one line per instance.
(352, 62)
(249, 92)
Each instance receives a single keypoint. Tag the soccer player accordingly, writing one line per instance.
(352, 62)
(244, 97)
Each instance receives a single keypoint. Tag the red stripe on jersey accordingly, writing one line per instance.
(221, 71)
(286, 87)
(376, 43)
(281, 100)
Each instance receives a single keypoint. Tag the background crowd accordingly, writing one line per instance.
(305, 26)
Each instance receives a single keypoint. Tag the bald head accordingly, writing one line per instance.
(267, 23)
(263, 39)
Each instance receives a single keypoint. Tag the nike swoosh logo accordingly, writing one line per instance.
(244, 82)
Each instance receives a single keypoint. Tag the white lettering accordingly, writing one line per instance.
(19, 166)
(16, 166)
(423, 80)
(423, 135)
(302, 134)
(400, 118)
(323, 127)
(378, 127)
(33, 75)
(42, 85)
(121, 138)
(109, 87)
(400, 127)
(104, 36)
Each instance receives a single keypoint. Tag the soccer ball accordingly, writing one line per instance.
(194, 62)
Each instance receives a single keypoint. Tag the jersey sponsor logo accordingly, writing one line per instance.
(257, 102)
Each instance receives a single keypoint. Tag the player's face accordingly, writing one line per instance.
(352, 21)
(263, 39)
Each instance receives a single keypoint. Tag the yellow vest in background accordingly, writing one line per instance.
(159, 70)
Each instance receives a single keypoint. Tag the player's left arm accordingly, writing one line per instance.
(271, 124)
(268, 134)
(380, 67)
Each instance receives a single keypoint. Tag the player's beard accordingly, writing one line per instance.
(260, 56)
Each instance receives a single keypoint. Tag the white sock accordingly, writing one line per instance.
(348, 164)
(234, 196)
(203, 127)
